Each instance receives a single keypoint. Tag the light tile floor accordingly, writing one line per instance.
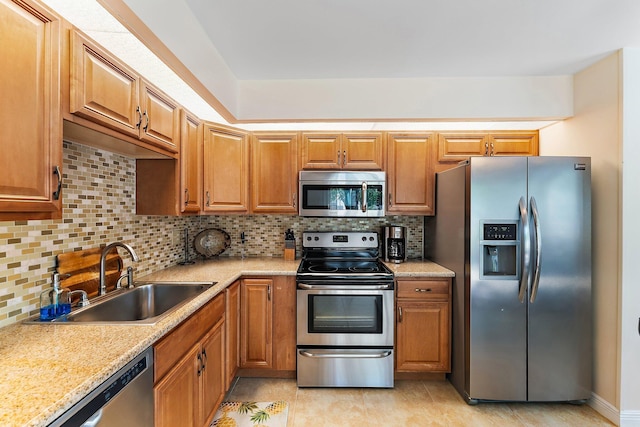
(410, 403)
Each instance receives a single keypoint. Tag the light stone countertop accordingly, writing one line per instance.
(45, 369)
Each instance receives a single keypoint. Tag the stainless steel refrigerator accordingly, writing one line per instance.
(517, 233)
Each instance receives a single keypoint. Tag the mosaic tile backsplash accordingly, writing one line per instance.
(99, 208)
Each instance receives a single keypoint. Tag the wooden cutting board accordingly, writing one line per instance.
(84, 268)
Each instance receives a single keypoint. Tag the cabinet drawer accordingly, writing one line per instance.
(424, 289)
(184, 336)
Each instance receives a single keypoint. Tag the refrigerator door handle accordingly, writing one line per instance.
(538, 254)
(526, 249)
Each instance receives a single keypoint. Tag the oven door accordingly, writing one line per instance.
(353, 317)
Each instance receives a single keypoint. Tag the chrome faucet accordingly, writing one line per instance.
(103, 261)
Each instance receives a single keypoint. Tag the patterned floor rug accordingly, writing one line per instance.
(251, 414)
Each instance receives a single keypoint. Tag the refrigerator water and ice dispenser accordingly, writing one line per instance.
(499, 249)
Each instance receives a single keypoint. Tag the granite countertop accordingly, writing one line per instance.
(45, 369)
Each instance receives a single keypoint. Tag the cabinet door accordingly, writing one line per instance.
(256, 340)
(226, 170)
(410, 177)
(422, 336)
(232, 329)
(31, 131)
(191, 140)
(321, 151)
(160, 118)
(103, 90)
(514, 144)
(362, 151)
(176, 395)
(458, 146)
(284, 323)
(212, 385)
(274, 173)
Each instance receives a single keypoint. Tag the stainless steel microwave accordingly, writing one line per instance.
(342, 194)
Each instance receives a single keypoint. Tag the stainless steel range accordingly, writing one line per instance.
(345, 317)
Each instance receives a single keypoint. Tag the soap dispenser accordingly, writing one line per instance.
(54, 302)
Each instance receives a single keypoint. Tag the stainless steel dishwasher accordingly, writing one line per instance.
(125, 399)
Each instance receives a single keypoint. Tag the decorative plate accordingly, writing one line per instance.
(211, 242)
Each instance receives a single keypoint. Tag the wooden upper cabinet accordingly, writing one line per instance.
(274, 172)
(30, 112)
(354, 150)
(514, 143)
(191, 154)
(459, 146)
(102, 89)
(363, 151)
(160, 118)
(410, 173)
(111, 94)
(226, 169)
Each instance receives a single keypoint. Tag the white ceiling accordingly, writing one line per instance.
(327, 39)
(235, 48)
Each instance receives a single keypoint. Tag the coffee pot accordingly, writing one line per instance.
(394, 243)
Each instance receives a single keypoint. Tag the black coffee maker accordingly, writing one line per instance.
(394, 243)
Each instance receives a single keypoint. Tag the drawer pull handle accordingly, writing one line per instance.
(423, 290)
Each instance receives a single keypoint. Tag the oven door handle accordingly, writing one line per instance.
(342, 355)
(381, 286)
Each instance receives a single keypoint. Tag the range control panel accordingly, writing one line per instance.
(500, 232)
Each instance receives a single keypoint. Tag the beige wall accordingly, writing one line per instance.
(595, 131)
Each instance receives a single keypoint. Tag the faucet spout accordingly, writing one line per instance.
(103, 263)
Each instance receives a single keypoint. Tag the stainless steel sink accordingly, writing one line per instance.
(145, 304)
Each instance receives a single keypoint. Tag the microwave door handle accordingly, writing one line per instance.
(364, 197)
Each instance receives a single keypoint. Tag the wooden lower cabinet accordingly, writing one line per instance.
(232, 329)
(256, 330)
(189, 369)
(267, 325)
(176, 395)
(423, 325)
(212, 374)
